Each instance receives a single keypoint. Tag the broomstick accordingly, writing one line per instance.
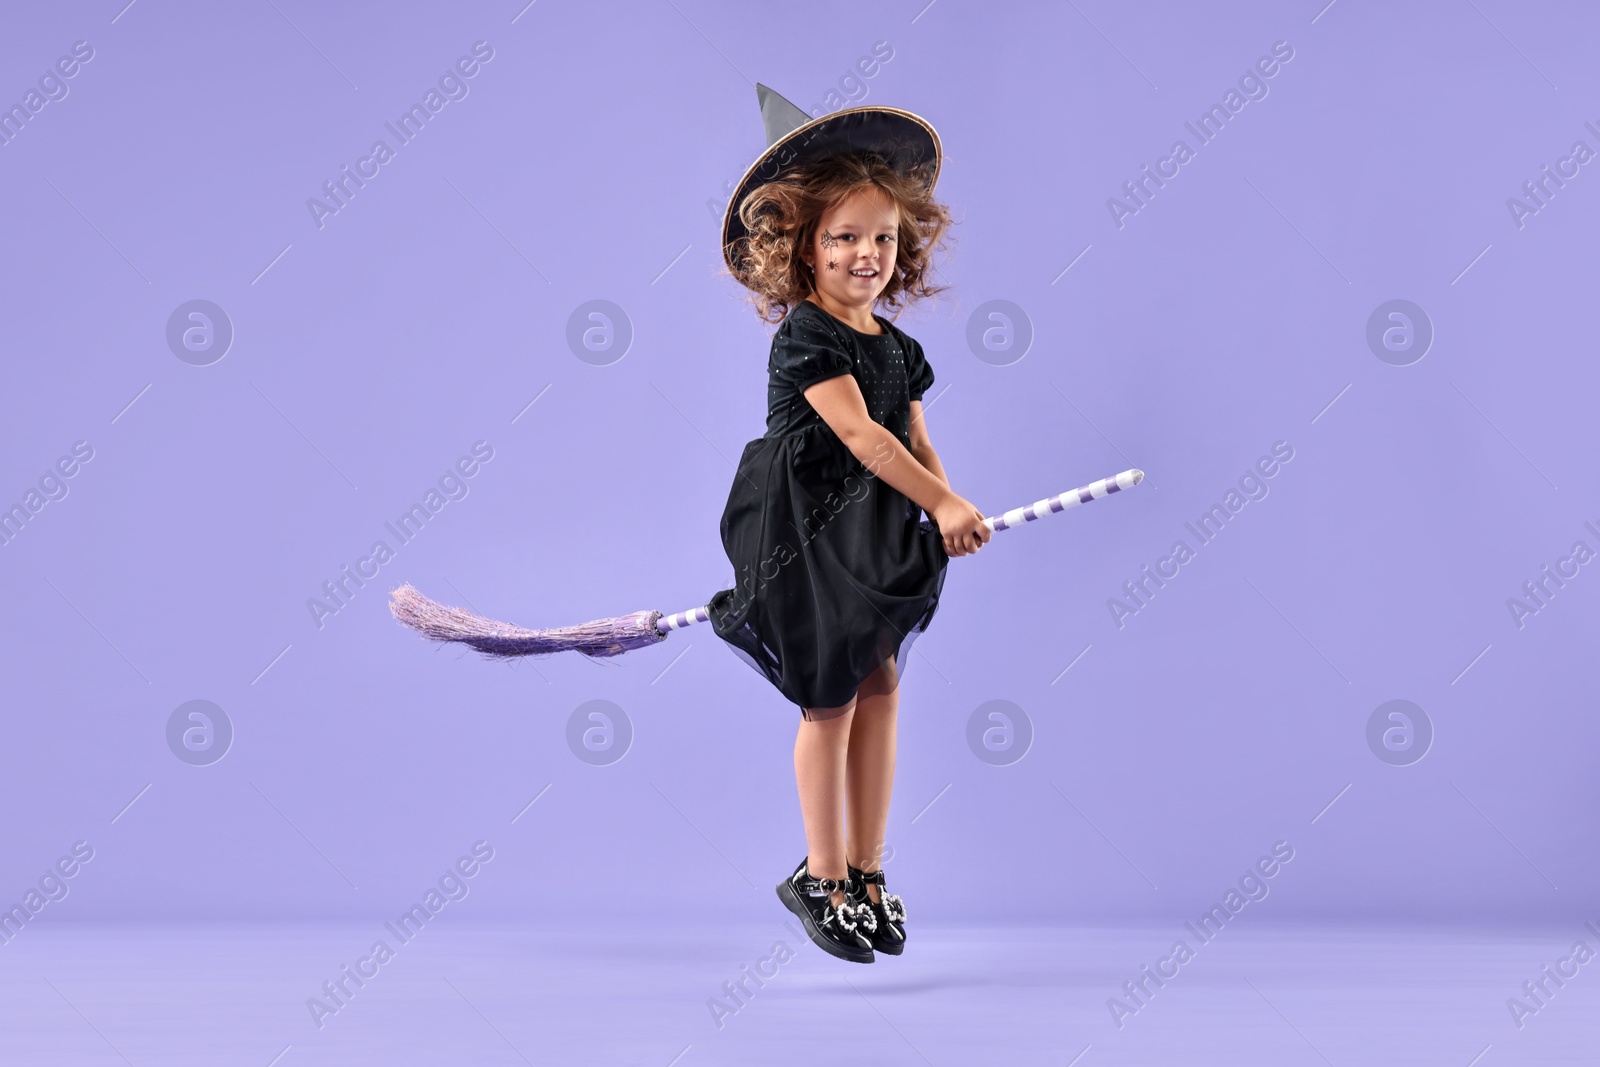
(611, 637)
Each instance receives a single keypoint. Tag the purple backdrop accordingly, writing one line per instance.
(1373, 255)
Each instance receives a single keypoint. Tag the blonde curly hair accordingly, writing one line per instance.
(781, 218)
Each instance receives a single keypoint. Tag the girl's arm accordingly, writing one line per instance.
(840, 403)
(922, 447)
(838, 400)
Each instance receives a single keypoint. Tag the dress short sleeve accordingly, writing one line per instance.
(805, 352)
(919, 375)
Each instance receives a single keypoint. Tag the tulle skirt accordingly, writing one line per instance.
(835, 570)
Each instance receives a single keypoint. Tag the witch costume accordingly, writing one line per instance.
(835, 570)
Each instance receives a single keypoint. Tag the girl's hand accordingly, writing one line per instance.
(961, 524)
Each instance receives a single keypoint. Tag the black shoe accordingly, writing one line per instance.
(889, 932)
(842, 930)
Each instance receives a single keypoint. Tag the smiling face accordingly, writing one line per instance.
(852, 254)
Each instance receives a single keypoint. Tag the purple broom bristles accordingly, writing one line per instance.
(501, 640)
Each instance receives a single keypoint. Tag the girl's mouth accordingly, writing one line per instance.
(865, 274)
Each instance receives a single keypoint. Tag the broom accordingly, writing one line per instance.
(612, 637)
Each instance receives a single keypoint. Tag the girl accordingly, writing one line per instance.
(836, 571)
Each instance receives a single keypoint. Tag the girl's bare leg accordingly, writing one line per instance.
(819, 773)
(869, 769)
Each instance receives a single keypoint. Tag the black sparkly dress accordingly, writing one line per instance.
(835, 570)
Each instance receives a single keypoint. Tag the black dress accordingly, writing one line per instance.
(835, 570)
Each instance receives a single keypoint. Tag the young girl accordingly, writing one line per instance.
(836, 571)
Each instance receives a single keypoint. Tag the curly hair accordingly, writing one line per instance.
(781, 218)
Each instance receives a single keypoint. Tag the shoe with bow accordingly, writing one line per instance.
(889, 932)
(843, 930)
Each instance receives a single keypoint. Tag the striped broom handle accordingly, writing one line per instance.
(1015, 517)
(1071, 498)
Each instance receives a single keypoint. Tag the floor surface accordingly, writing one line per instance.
(215, 995)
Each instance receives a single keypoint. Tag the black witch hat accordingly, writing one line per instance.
(794, 138)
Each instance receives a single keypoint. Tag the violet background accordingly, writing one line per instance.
(590, 160)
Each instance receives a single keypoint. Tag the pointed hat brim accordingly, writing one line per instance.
(904, 139)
